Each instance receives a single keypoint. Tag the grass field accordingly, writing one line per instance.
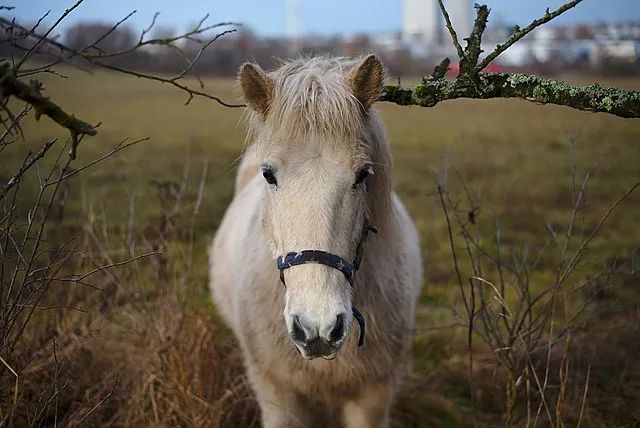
(519, 162)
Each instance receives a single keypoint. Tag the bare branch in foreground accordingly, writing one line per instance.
(452, 31)
(46, 35)
(99, 58)
(471, 82)
(520, 33)
(592, 98)
(79, 278)
(28, 163)
(11, 73)
(10, 86)
(122, 145)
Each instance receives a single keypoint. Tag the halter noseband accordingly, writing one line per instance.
(295, 258)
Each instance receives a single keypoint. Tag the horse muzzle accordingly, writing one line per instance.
(325, 346)
(312, 344)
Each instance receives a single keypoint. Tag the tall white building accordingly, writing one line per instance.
(421, 25)
(460, 12)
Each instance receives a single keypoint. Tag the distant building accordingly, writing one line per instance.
(388, 42)
(421, 26)
(460, 12)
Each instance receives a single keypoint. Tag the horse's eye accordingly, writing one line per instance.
(268, 174)
(362, 174)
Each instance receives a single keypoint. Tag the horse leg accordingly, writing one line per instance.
(370, 408)
(279, 407)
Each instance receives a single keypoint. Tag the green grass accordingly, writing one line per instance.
(515, 157)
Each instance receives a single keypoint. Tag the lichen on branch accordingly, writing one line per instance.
(592, 98)
(471, 82)
(31, 94)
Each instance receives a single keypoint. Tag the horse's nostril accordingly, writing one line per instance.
(338, 329)
(298, 334)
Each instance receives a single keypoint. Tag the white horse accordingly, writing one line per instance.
(318, 172)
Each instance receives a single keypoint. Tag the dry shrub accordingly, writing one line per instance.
(122, 342)
(156, 366)
(531, 311)
(177, 369)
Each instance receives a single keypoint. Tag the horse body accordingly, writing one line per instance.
(357, 387)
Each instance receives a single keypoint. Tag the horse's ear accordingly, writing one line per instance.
(366, 80)
(257, 88)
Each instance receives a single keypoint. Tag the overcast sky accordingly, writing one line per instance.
(268, 17)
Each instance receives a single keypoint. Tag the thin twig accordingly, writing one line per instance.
(453, 249)
(519, 34)
(97, 59)
(594, 233)
(15, 388)
(119, 147)
(26, 165)
(583, 404)
(46, 35)
(111, 265)
(94, 408)
(452, 31)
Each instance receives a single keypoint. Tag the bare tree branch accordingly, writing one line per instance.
(519, 34)
(46, 35)
(95, 56)
(78, 277)
(472, 83)
(592, 98)
(113, 28)
(10, 86)
(31, 93)
(452, 31)
(122, 145)
(28, 163)
(472, 52)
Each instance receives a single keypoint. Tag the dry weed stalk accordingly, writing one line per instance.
(524, 322)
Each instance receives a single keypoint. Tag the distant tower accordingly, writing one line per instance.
(293, 25)
(421, 25)
(460, 12)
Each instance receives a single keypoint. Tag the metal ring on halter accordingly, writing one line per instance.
(296, 258)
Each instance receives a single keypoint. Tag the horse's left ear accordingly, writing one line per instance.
(366, 80)
(257, 88)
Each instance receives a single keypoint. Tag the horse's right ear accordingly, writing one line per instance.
(257, 88)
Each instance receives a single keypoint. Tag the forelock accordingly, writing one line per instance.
(311, 99)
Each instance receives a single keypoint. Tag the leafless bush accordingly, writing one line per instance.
(524, 320)
(54, 273)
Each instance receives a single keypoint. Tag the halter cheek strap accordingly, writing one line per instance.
(295, 258)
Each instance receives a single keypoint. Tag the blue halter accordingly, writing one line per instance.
(295, 258)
